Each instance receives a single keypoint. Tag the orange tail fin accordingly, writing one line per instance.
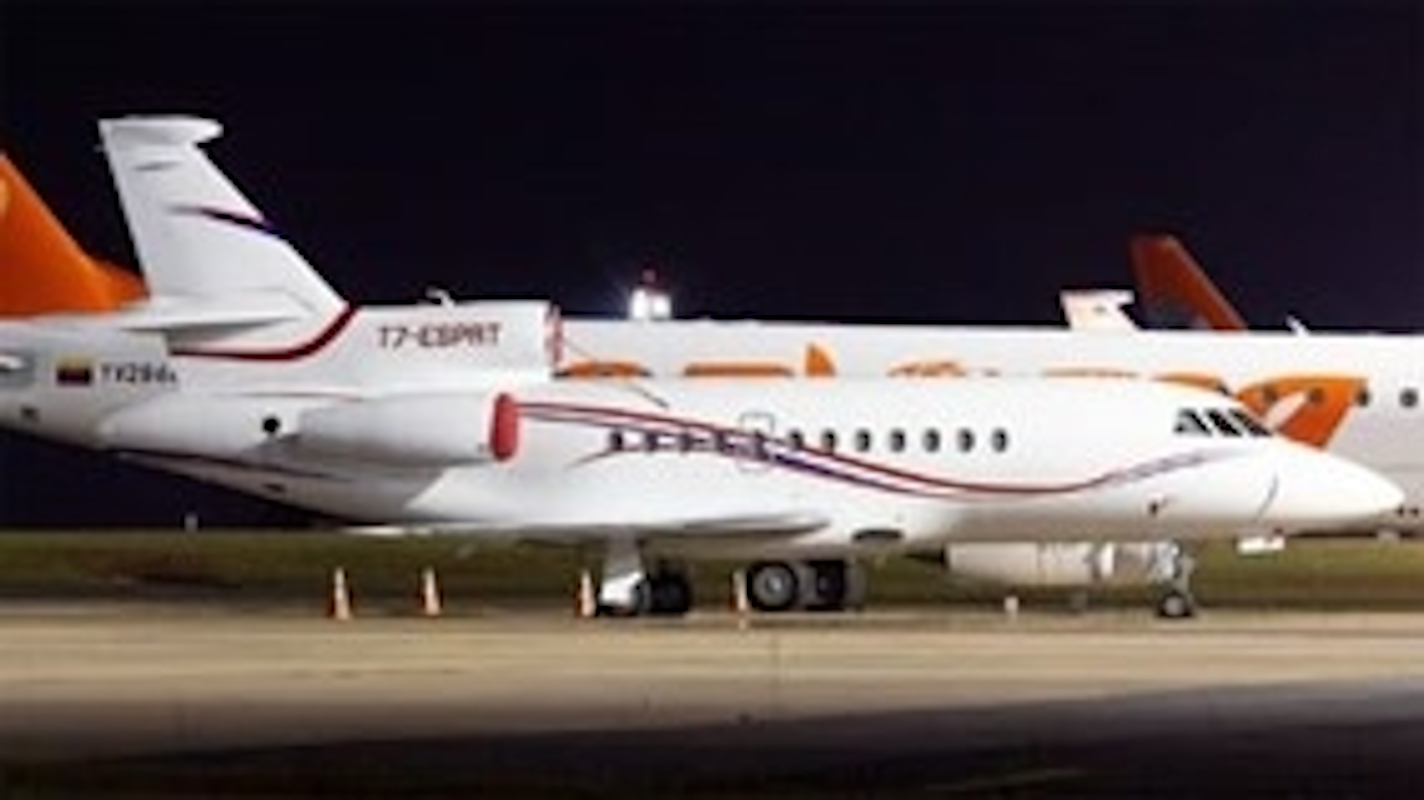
(42, 269)
(1172, 284)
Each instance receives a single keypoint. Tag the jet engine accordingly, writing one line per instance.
(428, 430)
(1063, 563)
(416, 430)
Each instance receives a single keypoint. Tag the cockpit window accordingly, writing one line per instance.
(1223, 423)
(1188, 422)
(1234, 422)
(1252, 425)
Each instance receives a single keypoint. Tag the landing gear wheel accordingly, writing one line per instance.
(772, 586)
(641, 604)
(670, 594)
(829, 586)
(1177, 604)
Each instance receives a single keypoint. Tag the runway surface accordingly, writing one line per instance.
(152, 701)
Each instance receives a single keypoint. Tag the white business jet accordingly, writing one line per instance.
(804, 477)
(420, 406)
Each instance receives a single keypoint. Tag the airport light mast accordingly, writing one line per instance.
(649, 302)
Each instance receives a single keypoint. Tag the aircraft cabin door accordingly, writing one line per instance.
(757, 428)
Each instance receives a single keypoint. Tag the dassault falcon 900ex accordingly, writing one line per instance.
(443, 418)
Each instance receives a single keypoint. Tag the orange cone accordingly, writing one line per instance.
(430, 604)
(585, 606)
(740, 605)
(340, 609)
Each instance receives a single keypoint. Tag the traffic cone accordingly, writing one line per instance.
(430, 604)
(585, 606)
(340, 609)
(740, 605)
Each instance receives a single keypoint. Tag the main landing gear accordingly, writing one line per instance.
(1178, 602)
(628, 590)
(810, 585)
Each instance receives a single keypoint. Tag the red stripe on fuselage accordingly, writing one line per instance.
(309, 347)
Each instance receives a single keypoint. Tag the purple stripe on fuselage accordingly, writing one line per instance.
(855, 471)
(257, 224)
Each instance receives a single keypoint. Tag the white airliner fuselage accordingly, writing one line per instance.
(774, 468)
(1361, 395)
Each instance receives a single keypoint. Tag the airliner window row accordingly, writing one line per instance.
(1408, 396)
(861, 440)
(1231, 422)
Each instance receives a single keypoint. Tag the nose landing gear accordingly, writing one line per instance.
(1178, 602)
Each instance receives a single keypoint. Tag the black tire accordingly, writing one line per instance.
(671, 594)
(772, 586)
(1176, 605)
(829, 586)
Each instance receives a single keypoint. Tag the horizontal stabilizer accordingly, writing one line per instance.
(1097, 309)
(164, 131)
(169, 314)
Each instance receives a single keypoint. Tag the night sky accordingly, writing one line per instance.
(930, 162)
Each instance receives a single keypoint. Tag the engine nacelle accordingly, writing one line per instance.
(1062, 563)
(431, 430)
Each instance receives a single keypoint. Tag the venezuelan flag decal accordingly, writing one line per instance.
(72, 371)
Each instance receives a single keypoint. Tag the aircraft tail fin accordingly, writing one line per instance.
(1097, 309)
(1175, 289)
(42, 269)
(197, 236)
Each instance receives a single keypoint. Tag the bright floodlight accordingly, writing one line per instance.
(649, 301)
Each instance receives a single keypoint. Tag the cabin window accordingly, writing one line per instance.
(1409, 398)
(1315, 396)
(1362, 397)
(650, 441)
(1190, 424)
(999, 440)
(795, 439)
(1222, 422)
(965, 438)
(862, 441)
(1249, 423)
(615, 440)
(896, 441)
(828, 440)
(758, 444)
(685, 441)
(720, 442)
(932, 440)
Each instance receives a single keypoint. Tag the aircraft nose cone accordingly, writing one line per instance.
(1315, 490)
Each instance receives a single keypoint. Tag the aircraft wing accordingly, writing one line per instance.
(751, 525)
